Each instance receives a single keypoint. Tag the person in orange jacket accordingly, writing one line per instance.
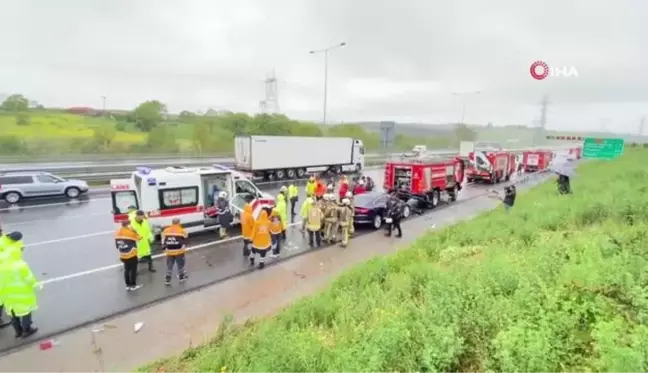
(344, 188)
(261, 239)
(276, 231)
(320, 189)
(174, 242)
(247, 225)
(126, 242)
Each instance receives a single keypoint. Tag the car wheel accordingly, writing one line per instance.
(377, 221)
(72, 192)
(435, 198)
(12, 197)
(406, 212)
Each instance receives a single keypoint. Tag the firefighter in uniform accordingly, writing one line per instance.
(330, 218)
(276, 228)
(314, 224)
(18, 289)
(143, 229)
(293, 197)
(346, 220)
(126, 241)
(349, 196)
(174, 240)
(303, 211)
(261, 239)
(247, 224)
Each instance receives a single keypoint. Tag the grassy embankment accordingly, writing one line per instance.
(558, 285)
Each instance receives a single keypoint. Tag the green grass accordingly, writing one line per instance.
(557, 285)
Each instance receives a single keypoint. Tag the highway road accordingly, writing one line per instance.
(70, 248)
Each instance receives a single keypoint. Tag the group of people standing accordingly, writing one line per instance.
(17, 285)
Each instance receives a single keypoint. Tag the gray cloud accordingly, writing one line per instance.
(402, 62)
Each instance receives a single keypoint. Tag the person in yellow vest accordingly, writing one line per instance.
(293, 198)
(314, 225)
(174, 241)
(345, 220)
(330, 217)
(142, 227)
(126, 240)
(303, 211)
(247, 224)
(18, 289)
(310, 186)
(280, 204)
(132, 212)
(349, 196)
(276, 227)
(261, 239)
(11, 247)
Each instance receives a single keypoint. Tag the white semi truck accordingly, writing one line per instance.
(292, 157)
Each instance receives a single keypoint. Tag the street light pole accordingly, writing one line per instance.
(463, 108)
(103, 100)
(325, 51)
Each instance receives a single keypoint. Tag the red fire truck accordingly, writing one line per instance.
(490, 166)
(536, 160)
(425, 178)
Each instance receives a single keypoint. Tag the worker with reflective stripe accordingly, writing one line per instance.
(261, 239)
(281, 205)
(349, 196)
(142, 227)
(247, 224)
(305, 208)
(293, 197)
(11, 248)
(276, 227)
(174, 240)
(345, 214)
(314, 224)
(18, 291)
(132, 212)
(126, 240)
(330, 218)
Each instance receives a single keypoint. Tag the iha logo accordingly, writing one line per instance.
(540, 70)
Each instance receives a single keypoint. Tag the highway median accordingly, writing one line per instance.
(558, 284)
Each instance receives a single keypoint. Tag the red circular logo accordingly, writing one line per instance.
(539, 70)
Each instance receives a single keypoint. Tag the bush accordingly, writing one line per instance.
(560, 284)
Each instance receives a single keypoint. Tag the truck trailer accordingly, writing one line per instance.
(292, 157)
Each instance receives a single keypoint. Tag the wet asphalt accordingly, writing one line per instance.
(69, 247)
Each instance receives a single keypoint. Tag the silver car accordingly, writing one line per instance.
(14, 186)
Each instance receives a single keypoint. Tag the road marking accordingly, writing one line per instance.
(70, 202)
(23, 222)
(68, 238)
(119, 265)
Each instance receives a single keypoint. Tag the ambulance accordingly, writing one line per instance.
(186, 193)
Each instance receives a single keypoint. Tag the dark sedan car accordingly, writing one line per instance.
(370, 209)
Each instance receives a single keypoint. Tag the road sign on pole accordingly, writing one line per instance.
(602, 148)
(387, 134)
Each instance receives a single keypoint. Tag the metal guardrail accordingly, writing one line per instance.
(97, 172)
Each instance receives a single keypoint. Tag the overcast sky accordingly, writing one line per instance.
(403, 61)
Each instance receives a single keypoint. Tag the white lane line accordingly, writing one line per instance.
(119, 265)
(71, 202)
(68, 238)
(63, 217)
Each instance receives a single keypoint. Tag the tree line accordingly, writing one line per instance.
(195, 133)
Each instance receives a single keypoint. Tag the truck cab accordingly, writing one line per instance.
(185, 193)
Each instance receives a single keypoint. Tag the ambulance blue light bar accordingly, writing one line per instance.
(143, 170)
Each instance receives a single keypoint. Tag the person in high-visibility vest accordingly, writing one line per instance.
(247, 224)
(280, 204)
(276, 228)
(18, 290)
(174, 240)
(11, 247)
(132, 213)
(303, 211)
(310, 186)
(314, 225)
(126, 240)
(293, 197)
(261, 239)
(142, 227)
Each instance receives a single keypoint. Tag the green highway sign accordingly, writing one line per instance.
(602, 148)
